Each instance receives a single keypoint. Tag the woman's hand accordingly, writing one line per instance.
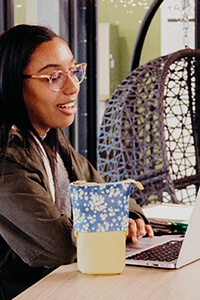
(137, 229)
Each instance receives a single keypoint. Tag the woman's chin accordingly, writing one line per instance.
(68, 122)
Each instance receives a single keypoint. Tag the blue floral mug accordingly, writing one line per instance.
(100, 217)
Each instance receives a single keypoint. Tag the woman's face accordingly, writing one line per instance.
(46, 108)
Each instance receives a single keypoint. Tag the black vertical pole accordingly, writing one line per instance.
(197, 72)
(8, 13)
(197, 24)
(81, 56)
(92, 80)
(2, 11)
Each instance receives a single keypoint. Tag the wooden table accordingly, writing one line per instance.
(138, 283)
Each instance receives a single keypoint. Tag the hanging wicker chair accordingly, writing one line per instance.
(149, 130)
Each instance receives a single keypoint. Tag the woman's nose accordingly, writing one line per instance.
(71, 85)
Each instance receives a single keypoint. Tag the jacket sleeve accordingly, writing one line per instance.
(135, 211)
(30, 222)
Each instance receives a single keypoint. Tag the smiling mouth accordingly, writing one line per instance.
(68, 105)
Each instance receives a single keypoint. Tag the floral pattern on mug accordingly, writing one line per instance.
(100, 207)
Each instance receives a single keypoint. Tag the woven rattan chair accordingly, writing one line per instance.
(149, 130)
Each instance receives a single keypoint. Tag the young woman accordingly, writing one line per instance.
(39, 86)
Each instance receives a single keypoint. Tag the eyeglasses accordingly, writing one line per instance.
(58, 78)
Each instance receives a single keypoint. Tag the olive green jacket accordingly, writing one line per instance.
(34, 237)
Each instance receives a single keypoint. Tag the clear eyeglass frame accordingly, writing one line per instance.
(58, 78)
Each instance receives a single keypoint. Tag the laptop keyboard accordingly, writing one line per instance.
(165, 252)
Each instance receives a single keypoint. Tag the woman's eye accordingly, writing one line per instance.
(55, 78)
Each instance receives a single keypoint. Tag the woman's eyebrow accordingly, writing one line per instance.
(54, 65)
(49, 66)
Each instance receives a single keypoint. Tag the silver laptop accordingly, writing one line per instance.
(188, 247)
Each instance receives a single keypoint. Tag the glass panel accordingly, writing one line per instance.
(177, 25)
(35, 12)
